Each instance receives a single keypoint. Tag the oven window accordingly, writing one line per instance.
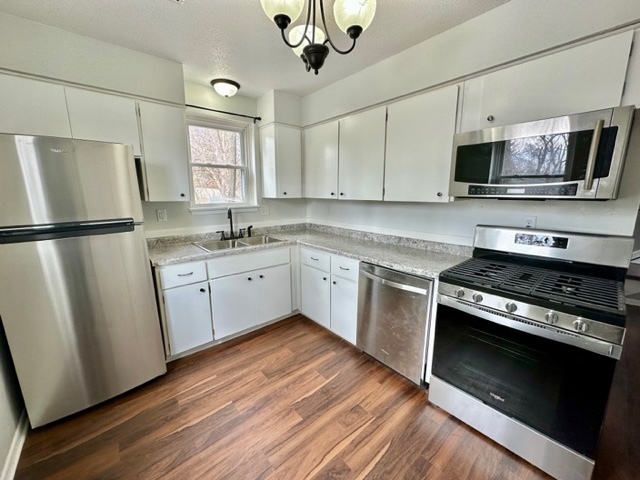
(534, 160)
(558, 390)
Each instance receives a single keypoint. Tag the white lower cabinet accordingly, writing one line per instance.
(315, 295)
(188, 317)
(234, 304)
(248, 290)
(344, 308)
(329, 291)
(206, 301)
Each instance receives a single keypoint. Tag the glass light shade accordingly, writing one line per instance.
(290, 8)
(296, 33)
(226, 88)
(349, 13)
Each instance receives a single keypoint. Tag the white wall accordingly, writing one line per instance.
(512, 31)
(37, 49)
(479, 44)
(11, 405)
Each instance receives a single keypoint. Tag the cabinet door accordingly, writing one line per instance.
(344, 308)
(580, 79)
(273, 292)
(164, 153)
(233, 300)
(361, 150)
(315, 291)
(30, 107)
(281, 148)
(188, 317)
(321, 161)
(102, 117)
(419, 146)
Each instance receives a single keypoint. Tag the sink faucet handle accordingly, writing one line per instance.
(221, 232)
(249, 230)
(241, 234)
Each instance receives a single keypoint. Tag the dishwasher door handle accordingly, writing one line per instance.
(399, 286)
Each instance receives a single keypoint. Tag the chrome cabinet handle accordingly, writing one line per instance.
(315, 259)
(593, 154)
(185, 274)
(342, 268)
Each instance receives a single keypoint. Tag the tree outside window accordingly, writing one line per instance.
(218, 165)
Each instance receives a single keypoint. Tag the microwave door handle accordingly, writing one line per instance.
(593, 154)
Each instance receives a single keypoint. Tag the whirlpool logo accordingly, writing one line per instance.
(496, 397)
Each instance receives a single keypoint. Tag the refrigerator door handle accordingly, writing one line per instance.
(34, 233)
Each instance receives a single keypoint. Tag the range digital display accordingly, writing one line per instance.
(548, 241)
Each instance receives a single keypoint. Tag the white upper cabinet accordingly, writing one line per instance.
(321, 161)
(580, 79)
(420, 133)
(30, 107)
(281, 148)
(361, 150)
(165, 165)
(103, 117)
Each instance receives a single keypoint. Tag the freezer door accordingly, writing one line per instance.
(48, 180)
(81, 320)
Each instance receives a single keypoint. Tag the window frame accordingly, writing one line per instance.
(247, 132)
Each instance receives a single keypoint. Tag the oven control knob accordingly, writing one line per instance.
(477, 297)
(511, 307)
(551, 317)
(580, 325)
(460, 293)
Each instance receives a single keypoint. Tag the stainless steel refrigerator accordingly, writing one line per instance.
(76, 294)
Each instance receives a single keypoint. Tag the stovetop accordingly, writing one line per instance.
(600, 299)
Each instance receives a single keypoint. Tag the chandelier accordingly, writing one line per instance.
(310, 42)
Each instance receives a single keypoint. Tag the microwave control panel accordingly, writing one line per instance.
(565, 190)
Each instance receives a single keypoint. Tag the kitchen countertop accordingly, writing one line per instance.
(416, 261)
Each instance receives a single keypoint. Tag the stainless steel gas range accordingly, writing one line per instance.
(527, 336)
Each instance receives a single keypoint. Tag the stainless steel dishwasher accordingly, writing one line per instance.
(393, 309)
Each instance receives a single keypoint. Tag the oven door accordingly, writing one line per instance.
(576, 156)
(556, 389)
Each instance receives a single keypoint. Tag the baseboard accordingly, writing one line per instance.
(11, 462)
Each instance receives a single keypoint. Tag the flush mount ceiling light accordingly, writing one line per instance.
(224, 87)
(308, 40)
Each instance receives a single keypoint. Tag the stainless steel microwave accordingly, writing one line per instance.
(577, 157)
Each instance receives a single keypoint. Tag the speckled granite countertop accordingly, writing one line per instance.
(392, 253)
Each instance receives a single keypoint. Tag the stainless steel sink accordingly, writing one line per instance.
(259, 240)
(213, 245)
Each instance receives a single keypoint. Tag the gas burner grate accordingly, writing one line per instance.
(577, 290)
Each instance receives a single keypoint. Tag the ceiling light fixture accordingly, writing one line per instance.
(224, 87)
(307, 40)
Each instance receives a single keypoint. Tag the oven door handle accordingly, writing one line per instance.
(593, 155)
(392, 284)
(531, 327)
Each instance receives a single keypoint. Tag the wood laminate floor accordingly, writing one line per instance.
(291, 401)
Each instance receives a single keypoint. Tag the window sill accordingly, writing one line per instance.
(209, 209)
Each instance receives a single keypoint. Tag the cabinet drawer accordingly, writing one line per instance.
(182, 274)
(345, 267)
(316, 259)
(246, 262)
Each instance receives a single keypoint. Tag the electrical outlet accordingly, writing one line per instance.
(530, 221)
(264, 209)
(161, 214)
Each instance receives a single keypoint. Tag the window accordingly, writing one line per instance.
(221, 171)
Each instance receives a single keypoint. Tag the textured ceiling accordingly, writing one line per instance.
(235, 39)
